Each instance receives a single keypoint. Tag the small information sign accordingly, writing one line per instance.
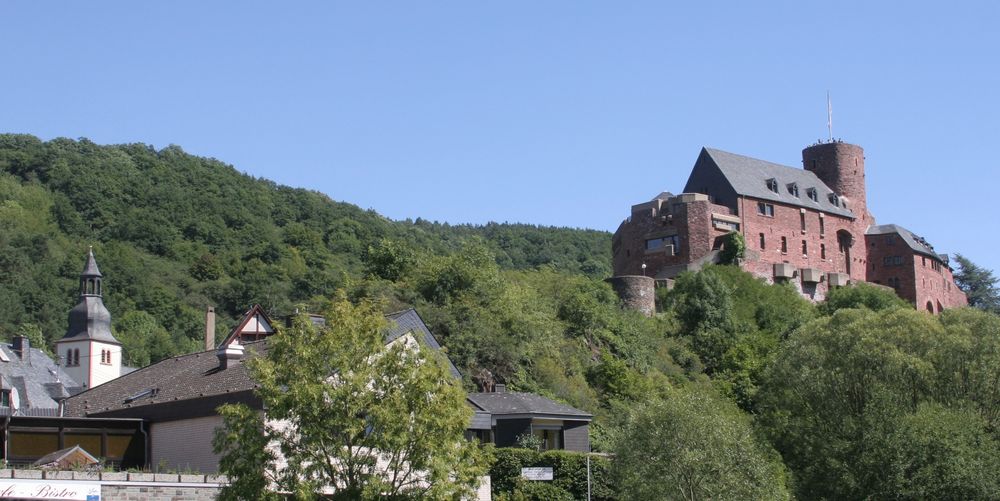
(541, 473)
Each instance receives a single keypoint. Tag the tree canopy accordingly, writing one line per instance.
(347, 414)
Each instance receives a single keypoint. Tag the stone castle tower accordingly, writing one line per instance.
(89, 352)
(842, 167)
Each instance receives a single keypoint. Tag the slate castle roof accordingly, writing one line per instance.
(748, 177)
(39, 382)
(915, 243)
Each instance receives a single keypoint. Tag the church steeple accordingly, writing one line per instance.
(89, 319)
(89, 352)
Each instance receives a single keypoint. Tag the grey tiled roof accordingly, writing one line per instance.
(501, 403)
(37, 378)
(184, 377)
(197, 375)
(748, 176)
(914, 242)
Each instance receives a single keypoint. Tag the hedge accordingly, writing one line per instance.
(569, 475)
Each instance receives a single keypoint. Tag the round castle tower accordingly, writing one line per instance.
(636, 292)
(842, 167)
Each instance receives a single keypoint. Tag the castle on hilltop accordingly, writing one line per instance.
(808, 227)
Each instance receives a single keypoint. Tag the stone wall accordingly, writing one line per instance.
(636, 292)
(122, 486)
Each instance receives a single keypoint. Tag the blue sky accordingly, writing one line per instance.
(554, 113)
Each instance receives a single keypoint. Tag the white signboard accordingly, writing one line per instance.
(536, 473)
(50, 489)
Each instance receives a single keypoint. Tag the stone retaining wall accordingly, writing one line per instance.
(122, 486)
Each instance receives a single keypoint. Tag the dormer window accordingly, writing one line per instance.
(772, 184)
(811, 193)
(793, 190)
(833, 199)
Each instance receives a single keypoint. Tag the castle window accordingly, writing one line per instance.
(805, 248)
(784, 245)
(923, 261)
(802, 221)
(894, 282)
(761, 241)
(892, 260)
(772, 184)
(890, 239)
(812, 194)
(833, 199)
(822, 226)
(765, 209)
(822, 250)
(793, 190)
(662, 243)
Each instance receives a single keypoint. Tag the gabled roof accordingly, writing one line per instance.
(38, 380)
(67, 458)
(915, 243)
(514, 403)
(255, 318)
(749, 176)
(408, 321)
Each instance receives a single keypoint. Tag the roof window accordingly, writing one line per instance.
(793, 190)
(811, 193)
(772, 184)
(833, 199)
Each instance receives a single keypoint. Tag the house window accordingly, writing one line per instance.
(784, 245)
(833, 199)
(822, 250)
(551, 438)
(4, 398)
(761, 241)
(805, 248)
(822, 226)
(812, 194)
(772, 184)
(793, 190)
(76, 356)
(765, 209)
(802, 221)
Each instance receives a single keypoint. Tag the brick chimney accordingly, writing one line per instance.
(210, 329)
(21, 346)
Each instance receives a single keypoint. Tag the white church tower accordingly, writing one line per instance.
(89, 352)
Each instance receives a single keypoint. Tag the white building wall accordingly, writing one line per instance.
(185, 445)
(80, 373)
(101, 373)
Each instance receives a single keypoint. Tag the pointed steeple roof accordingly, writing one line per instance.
(90, 269)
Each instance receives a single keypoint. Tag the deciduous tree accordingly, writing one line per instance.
(349, 415)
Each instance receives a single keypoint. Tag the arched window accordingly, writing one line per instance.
(76, 356)
(930, 307)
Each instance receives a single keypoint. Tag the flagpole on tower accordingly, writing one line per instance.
(829, 116)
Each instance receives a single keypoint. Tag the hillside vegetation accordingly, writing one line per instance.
(735, 390)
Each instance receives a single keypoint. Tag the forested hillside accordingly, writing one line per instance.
(735, 390)
(175, 233)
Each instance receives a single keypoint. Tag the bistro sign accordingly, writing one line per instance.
(50, 489)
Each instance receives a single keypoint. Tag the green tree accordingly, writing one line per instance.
(347, 411)
(978, 283)
(861, 295)
(844, 388)
(693, 445)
